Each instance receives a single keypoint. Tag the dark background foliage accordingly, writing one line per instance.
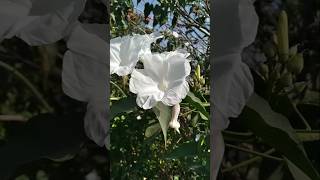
(52, 144)
(297, 99)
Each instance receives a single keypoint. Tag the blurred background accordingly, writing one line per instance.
(290, 85)
(52, 144)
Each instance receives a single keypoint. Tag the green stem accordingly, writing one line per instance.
(254, 152)
(245, 134)
(28, 83)
(247, 162)
(119, 88)
(305, 122)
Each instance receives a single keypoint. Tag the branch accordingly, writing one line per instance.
(28, 83)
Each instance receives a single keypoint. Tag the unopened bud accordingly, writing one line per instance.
(282, 34)
(269, 50)
(293, 50)
(285, 80)
(198, 72)
(174, 118)
(295, 65)
(264, 70)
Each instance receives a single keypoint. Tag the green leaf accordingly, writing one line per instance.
(163, 114)
(124, 105)
(311, 97)
(147, 9)
(48, 136)
(198, 104)
(153, 129)
(276, 131)
(277, 174)
(187, 149)
(296, 172)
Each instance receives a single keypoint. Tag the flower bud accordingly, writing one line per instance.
(269, 50)
(198, 72)
(203, 80)
(264, 69)
(275, 74)
(275, 38)
(299, 87)
(282, 34)
(285, 80)
(293, 50)
(174, 118)
(295, 65)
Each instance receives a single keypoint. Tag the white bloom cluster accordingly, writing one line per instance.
(163, 77)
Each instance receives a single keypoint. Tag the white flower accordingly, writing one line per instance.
(163, 79)
(125, 52)
(84, 76)
(38, 22)
(236, 25)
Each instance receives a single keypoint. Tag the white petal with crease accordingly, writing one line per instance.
(163, 79)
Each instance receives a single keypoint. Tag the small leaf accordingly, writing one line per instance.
(296, 172)
(196, 103)
(153, 129)
(311, 97)
(123, 105)
(293, 50)
(187, 149)
(277, 174)
(295, 65)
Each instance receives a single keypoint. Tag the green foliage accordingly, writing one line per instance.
(139, 149)
(282, 117)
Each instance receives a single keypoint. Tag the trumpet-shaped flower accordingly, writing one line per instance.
(163, 79)
(126, 51)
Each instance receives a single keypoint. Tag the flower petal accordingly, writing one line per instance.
(178, 91)
(47, 24)
(12, 12)
(95, 123)
(231, 78)
(178, 66)
(155, 65)
(148, 93)
(236, 26)
(85, 78)
(44, 7)
(126, 51)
